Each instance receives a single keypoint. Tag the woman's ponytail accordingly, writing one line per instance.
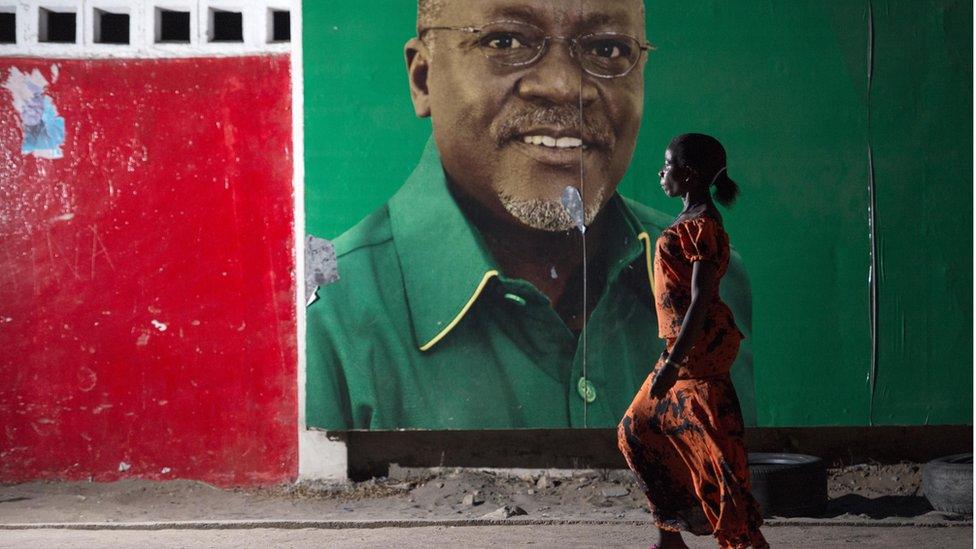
(726, 190)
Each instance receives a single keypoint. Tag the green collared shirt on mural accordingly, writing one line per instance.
(422, 331)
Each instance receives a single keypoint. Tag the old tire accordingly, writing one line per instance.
(947, 483)
(788, 485)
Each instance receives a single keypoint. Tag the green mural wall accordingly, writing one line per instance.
(834, 113)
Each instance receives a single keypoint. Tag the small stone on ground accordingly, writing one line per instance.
(505, 512)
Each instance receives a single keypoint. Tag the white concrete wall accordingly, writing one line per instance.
(142, 29)
(319, 457)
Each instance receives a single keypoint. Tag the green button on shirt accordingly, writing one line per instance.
(422, 331)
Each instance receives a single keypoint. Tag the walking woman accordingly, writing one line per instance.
(682, 435)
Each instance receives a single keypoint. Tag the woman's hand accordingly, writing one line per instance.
(703, 281)
(664, 378)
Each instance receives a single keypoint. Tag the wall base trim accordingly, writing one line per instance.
(370, 453)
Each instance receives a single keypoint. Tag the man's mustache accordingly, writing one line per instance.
(595, 130)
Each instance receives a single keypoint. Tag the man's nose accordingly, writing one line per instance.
(557, 78)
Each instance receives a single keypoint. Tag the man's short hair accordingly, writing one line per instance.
(429, 10)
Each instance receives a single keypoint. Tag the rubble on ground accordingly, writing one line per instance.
(871, 491)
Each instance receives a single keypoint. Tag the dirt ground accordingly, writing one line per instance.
(873, 493)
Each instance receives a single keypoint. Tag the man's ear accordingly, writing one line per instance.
(418, 67)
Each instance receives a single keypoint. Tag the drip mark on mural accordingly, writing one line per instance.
(43, 128)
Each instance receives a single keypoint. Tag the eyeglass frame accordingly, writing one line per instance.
(574, 43)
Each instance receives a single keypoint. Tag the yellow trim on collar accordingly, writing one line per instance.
(646, 239)
(464, 310)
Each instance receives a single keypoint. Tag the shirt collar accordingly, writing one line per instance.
(444, 261)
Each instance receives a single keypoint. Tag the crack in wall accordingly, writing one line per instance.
(872, 222)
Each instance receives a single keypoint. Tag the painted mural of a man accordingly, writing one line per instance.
(461, 301)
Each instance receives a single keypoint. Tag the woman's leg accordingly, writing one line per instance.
(753, 539)
(650, 437)
(668, 539)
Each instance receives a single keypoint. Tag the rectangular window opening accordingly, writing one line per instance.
(226, 26)
(280, 26)
(173, 26)
(111, 28)
(57, 26)
(8, 27)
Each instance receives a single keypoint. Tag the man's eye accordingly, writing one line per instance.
(609, 49)
(506, 41)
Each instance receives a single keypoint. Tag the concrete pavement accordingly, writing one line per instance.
(494, 537)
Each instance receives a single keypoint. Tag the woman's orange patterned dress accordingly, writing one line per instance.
(686, 448)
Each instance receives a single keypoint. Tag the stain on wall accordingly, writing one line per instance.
(147, 288)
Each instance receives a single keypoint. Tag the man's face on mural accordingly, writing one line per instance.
(513, 137)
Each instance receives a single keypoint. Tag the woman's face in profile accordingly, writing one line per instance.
(674, 179)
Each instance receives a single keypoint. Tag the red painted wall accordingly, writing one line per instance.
(155, 327)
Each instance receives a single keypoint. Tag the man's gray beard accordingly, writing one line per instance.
(544, 214)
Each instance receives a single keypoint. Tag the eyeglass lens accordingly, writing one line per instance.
(514, 44)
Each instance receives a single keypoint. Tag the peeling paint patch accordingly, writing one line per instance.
(573, 202)
(123, 466)
(321, 267)
(161, 326)
(43, 129)
(100, 408)
(62, 217)
(143, 340)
